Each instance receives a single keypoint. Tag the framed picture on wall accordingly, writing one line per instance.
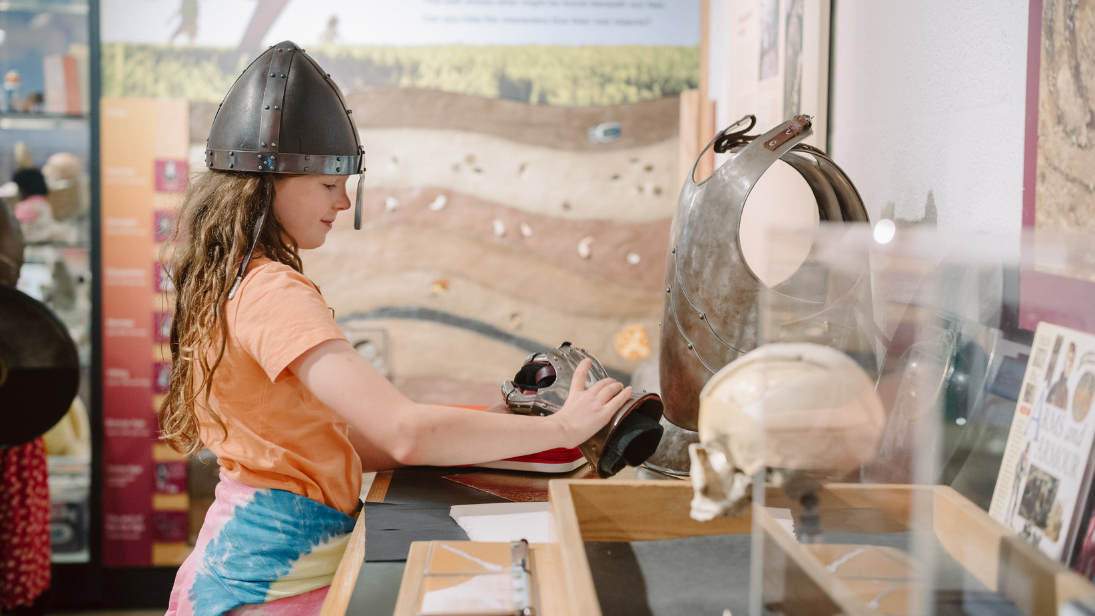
(1059, 166)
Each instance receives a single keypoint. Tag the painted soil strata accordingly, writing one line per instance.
(636, 184)
(552, 239)
(563, 128)
(357, 255)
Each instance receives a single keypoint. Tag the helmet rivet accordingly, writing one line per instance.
(349, 111)
(690, 345)
(266, 106)
(264, 144)
(307, 158)
(669, 289)
(279, 48)
(283, 75)
(338, 158)
(230, 165)
(231, 153)
(328, 75)
(273, 145)
(276, 107)
(273, 75)
(306, 169)
(337, 169)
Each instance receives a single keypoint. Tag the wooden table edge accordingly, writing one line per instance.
(342, 585)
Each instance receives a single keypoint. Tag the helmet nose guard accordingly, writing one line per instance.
(542, 386)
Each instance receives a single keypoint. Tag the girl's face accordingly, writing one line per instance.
(306, 206)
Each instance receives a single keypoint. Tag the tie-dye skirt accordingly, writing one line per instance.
(261, 546)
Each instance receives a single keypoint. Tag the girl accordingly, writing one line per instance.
(264, 377)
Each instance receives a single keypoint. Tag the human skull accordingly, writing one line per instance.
(797, 407)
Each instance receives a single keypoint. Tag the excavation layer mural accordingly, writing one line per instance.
(517, 195)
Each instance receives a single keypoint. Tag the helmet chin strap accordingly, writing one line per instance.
(247, 259)
(360, 197)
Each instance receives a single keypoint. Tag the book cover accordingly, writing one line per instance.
(1045, 477)
(1085, 558)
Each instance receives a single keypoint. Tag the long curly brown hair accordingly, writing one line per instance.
(216, 225)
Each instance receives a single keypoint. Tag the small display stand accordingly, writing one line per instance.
(987, 563)
(903, 527)
(925, 315)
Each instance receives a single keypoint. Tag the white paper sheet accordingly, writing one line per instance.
(505, 522)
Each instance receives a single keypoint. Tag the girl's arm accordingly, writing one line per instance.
(423, 434)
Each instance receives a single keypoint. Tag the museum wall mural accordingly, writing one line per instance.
(518, 195)
(522, 175)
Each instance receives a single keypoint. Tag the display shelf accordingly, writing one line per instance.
(82, 243)
(76, 7)
(42, 121)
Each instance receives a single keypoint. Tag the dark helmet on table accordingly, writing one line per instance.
(284, 114)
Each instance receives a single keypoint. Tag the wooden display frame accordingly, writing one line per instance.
(592, 510)
(544, 564)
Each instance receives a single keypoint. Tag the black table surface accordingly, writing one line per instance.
(415, 508)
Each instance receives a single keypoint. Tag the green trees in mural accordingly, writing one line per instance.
(561, 76)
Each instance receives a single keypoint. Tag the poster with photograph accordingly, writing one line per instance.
(783, 66)
(1045, 477)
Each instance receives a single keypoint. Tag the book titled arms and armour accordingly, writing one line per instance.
(1046, 474)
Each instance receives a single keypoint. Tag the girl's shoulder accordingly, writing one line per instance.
(266, 278)
(262, 265)
(262, 268)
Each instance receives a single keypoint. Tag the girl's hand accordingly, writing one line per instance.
(587, 410)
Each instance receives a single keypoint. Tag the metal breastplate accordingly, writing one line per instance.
(711, 313)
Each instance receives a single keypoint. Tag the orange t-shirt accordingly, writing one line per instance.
(279, 435)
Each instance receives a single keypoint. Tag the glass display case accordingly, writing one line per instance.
(905, 432)
(45, 145)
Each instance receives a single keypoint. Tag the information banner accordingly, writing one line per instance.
(144, 514)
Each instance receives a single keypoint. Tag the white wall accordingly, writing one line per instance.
(929, 96)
